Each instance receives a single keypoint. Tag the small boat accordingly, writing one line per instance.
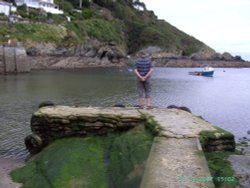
(207, 71)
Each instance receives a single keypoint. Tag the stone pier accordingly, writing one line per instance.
(176, 158)
(13, 60)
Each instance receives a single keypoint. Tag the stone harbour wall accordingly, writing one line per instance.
(222, 144)
(54, 122)
(49, 128)
(176, 146)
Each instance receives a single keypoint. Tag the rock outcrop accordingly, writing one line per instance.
(92, 52)
(203, 54)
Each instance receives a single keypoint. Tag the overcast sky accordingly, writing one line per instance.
(224, 25)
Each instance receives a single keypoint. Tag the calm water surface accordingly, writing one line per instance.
(223, 100)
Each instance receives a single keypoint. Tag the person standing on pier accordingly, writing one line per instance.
(143, 70)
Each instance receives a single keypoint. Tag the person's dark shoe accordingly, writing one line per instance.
(138, 106)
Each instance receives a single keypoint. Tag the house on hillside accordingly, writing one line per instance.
(46, 5)
(6, 8)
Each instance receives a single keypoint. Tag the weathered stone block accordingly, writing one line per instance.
(62, 124)
(219, 140)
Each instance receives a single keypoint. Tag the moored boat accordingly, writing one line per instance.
(207, 71)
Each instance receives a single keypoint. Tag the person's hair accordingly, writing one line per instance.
(142, 54)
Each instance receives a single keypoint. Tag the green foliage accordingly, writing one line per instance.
(76, 3)
(97, 28)
(101, 29)
(3, 16)
(86, 3)
(75, 31)
(57, 18)
(76, 16)
(38, 32)
(143, 29)
(22, 10)
(87, 13)
(116, 159)
(188, 45)
(130, 27)
(65, 5)
(131, 3)
(125, 13)
(153, 36)
(4, 32)
(134, 30)
(33, 14)
(104, 3)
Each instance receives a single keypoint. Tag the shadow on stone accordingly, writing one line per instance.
(180, 108)
(119, 105)
(46, 103)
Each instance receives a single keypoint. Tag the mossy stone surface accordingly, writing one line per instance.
(115, 160)
(221, 169)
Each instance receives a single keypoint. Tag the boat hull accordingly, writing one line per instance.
(202, 73)
(208, 73)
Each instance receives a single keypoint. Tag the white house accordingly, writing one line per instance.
(46, 5)
(6, 8)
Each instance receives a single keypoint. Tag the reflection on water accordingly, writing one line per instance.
(222, 100)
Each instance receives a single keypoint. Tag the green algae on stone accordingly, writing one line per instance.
(115, 160)
(216, 134)
(150, 123)
(221, 169)
(64, 162)
(128, 154)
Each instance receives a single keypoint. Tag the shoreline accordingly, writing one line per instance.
(78, 62)
(6, 166)
(72, 62)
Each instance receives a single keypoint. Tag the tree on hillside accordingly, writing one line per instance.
(84, 3)
(135, 3)
(104, 3)
(68, 5)
(139, 4)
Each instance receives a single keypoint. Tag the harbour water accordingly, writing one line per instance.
(222, 100)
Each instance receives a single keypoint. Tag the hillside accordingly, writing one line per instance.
(123, 23)
(104, 33)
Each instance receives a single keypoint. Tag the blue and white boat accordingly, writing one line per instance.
(207, 71)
